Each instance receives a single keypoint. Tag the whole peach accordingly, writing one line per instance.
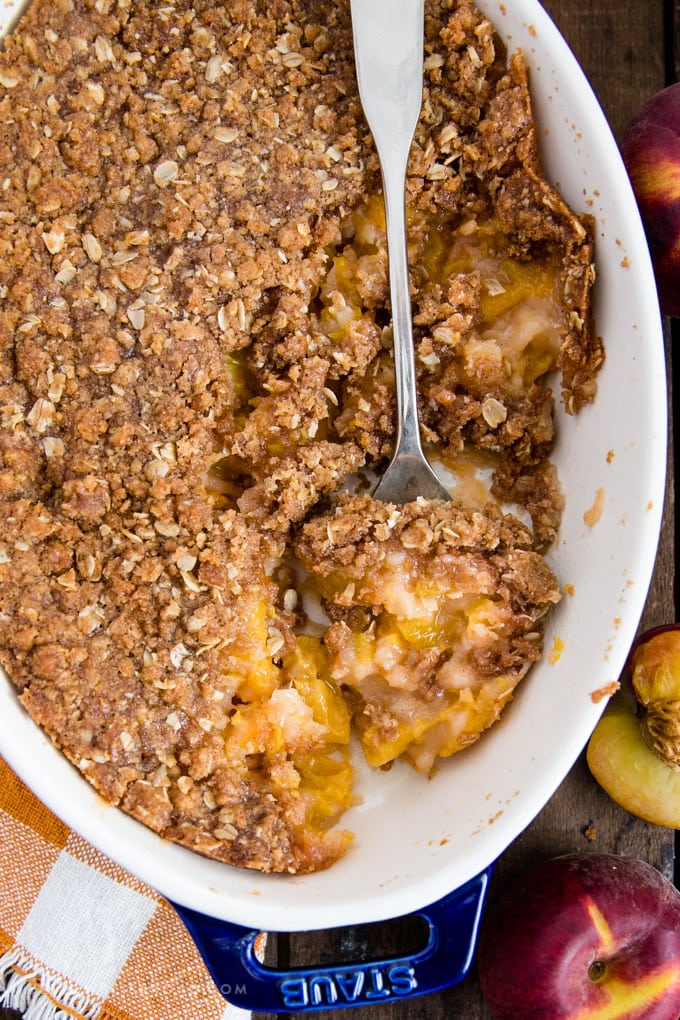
(585, 936)
(651, 153)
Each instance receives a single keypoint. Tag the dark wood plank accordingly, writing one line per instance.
(621, 48)
(624, 53)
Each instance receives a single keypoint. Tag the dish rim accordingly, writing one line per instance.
(251, 898)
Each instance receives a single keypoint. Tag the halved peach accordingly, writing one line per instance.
(634, 752)
(629, 770)
(654, 671)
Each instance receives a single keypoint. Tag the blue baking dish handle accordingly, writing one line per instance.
(229, 954)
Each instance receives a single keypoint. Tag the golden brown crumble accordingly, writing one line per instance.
(195, 359)
(452, 600)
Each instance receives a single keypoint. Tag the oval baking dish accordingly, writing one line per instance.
(418, 840)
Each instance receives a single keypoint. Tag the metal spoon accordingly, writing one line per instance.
(388, 50)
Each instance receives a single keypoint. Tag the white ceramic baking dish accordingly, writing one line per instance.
(417, 839)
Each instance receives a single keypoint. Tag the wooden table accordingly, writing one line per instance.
(628, 51)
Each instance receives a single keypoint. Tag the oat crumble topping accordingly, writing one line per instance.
(196, 358)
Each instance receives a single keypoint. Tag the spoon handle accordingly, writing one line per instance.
(388, 44)
(388, 48)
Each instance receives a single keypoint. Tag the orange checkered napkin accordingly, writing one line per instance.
(82, 938)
